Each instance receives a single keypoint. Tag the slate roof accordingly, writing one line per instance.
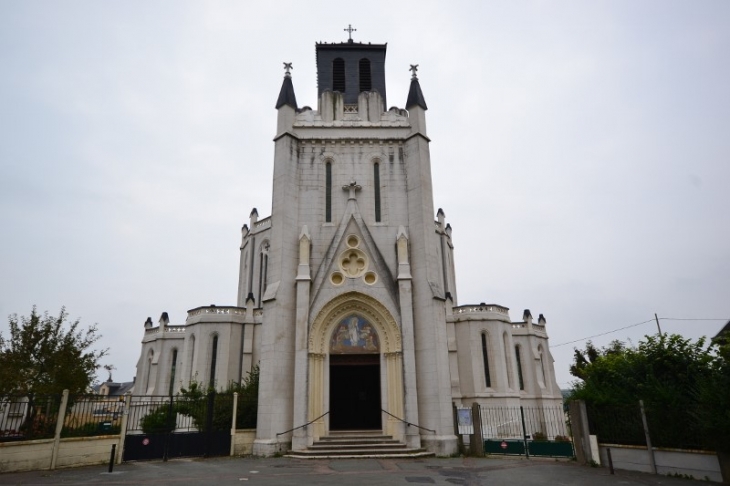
(286, 95)
(415, 96)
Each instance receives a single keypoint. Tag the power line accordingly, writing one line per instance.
(638, 324)
(602, 334)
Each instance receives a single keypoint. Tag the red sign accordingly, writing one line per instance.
(145, 441)
(503, 445)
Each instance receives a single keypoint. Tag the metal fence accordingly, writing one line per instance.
(538, 423)
(666, 426)
(156, 414)
(28, 417)
(90, 415)
(36, 417)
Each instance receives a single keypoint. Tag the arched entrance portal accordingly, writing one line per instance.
(355, 367)
(354, 372)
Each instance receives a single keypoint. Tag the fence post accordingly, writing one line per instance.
(170, 426)
(524, 432)
(459, 437)
(580, 431)
(59, 427)
(652, 463)
(209, 423)
(123, 428)
(233, 423)
(477, 440)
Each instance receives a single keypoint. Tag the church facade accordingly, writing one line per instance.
(347, 292)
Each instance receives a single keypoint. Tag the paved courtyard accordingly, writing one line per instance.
(283, 471)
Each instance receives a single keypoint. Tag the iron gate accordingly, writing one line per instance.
(160, 427)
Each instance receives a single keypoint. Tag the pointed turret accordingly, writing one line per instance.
(416, 104)
(415, 95)
(287, 102)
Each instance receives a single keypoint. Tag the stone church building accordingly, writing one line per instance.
(347, 293)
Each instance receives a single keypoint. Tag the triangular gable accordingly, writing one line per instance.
(352, 223)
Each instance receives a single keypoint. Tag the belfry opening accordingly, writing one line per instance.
(354, 376)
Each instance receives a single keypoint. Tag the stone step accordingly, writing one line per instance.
(338, 442)
(359, 453)
(389, 445)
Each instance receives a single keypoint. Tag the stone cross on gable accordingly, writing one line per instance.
(413, 69)
(349, 31)
(353, 187)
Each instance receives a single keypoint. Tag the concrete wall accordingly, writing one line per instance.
(72, 452)
(83, 451)
(243, 442)
(698, 464)
(25, 456)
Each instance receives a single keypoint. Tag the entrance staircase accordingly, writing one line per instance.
(358, 444)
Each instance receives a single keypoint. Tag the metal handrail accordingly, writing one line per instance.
(407, 423)
(308, 423)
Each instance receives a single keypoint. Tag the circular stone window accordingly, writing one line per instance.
(370, 278)
(353, 263)
(336, 278)
(353, 241)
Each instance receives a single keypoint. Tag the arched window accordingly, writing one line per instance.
(366, 79)
(213, 360)
(192, 357)
(519, 367)
(542, 365)
(263, 269)
(328, 193)
(376, 184)
(485, 358)
(150, 355)
(510, 376)
(338, 75)
(172, 370)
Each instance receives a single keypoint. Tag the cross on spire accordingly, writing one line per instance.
(349, 31)
(287, 69)
(413, 69)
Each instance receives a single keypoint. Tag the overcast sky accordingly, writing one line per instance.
(580, 151)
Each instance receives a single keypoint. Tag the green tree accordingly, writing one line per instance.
(46, 354)
(662, 370)
(675, 377)
(713, 393)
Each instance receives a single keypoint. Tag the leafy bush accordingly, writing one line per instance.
(159, 421)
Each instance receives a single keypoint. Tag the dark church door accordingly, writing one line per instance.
(355, 392)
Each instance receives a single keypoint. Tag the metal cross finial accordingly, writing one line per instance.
(413, 69)
(350, 30)
(288, 67)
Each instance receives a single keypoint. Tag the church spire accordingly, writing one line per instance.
(415, 95)
(286, 95)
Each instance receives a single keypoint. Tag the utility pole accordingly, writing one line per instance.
(657, 324)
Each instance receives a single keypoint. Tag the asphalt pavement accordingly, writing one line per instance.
(285, 471)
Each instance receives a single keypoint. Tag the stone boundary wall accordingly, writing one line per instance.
(35, 455)
(698, 464)
(243, 442)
